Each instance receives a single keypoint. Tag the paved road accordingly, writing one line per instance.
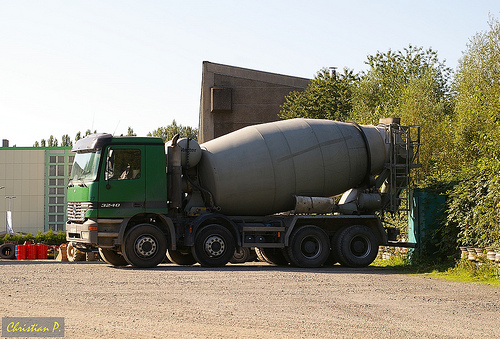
(252, 300)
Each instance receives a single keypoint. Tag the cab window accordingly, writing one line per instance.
(123, 164)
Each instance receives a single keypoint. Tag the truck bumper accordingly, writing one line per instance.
(104, 233)
(85, 233)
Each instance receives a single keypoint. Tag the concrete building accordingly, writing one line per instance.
(37, 178)
(235, 97)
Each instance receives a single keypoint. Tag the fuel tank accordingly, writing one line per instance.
(258, 170)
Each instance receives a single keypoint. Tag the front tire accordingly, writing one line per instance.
(213, 246)
(112, 257)
(144, 245)
(356, 246)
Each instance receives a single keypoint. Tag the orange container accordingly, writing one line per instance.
(42, 251)
(21, 252)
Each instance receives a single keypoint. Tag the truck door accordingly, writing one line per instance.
(122, 188)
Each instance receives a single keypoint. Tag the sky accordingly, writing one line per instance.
(73, 65)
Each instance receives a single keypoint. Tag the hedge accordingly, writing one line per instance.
(48, 238)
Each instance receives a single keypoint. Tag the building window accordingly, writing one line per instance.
(59, 162)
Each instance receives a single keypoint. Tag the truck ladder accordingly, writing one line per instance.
(404, 143)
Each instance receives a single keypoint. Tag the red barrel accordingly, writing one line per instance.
(42, 251)
(21, 252)
(31, 250)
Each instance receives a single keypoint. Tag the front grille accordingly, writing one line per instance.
(76, 210)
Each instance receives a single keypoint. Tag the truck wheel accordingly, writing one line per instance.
(144, 245)
(273, 256)
(181, 257)
(356, 246)
(213, 246)
(74, 254)
(240, 256)
(333, 257)
(112, 257)
(309, 247)
(8, 251)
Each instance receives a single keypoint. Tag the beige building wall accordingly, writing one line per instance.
(22, 172)
(235, 97)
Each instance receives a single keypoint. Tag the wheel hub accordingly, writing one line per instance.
(311, 247)
(215, 246)
(238, 255)
(360, 247)
(145, 246)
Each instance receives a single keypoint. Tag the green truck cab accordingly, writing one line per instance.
(116, 183)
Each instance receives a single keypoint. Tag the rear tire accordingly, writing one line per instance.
(273, 256)
(145, 245)
(356, 246)
(309, 247)
(182, 258)
(213, 246)
(333, 257)
(112, 257)
(241, 256)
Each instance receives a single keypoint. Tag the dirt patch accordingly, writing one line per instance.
(252, 300)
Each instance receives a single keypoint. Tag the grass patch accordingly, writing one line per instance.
(463, 270)
(395, 262)
(485, 271)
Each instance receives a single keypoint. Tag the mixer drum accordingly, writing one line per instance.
(259, 169)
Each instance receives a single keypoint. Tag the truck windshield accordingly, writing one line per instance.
(85, 166)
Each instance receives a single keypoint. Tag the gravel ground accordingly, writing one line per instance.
(252, 300)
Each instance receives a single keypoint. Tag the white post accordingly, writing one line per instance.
(8, 224)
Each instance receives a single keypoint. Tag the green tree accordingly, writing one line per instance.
(66, 140)
(52, 142)
(130, 132)
(414, 85)
(168, 132)
(78, 136)
(384, 88)
(328, 96)
(474, 204)
(477, 83)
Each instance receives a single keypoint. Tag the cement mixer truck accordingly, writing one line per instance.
(301, 192)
